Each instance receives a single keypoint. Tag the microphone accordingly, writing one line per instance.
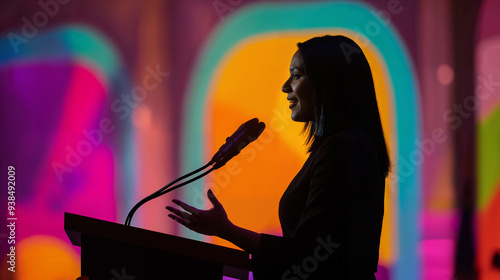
(245, 134)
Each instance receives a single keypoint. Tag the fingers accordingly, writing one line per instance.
(187, 207)
(179, 220)
(213, 199)
(182, 217)
(179, 213)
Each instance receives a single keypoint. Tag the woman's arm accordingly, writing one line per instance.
(215, 222)
(245, 239)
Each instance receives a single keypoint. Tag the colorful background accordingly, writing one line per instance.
(103, 102)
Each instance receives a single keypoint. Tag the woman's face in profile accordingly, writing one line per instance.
(299, 91)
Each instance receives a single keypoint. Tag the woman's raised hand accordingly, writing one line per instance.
(209, 222)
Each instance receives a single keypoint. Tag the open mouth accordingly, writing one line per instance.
(293, 102)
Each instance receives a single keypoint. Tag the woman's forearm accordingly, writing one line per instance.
(245, 239)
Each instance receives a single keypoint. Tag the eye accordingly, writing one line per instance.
(295, 76)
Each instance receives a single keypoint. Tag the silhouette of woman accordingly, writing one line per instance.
(331, 213)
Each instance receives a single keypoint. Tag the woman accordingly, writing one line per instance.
(331, 213)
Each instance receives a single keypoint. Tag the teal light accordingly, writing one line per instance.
(274, 18)
(70, 41)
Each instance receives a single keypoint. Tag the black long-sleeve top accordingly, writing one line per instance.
(331, 215)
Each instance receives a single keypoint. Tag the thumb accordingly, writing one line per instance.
(213, 199)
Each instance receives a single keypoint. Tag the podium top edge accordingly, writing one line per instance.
(77, 226)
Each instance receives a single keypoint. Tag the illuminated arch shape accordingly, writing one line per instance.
(271, 18)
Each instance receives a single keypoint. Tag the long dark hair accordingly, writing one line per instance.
(344, 92)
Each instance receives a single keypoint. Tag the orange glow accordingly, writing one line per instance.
(46, 257)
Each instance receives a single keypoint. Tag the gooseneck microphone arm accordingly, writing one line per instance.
(158, 193)
(245, 134)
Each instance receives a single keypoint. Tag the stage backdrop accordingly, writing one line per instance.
(102, 103)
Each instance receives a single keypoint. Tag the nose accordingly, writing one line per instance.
(286, 88)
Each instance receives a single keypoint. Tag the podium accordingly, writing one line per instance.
(115, 251)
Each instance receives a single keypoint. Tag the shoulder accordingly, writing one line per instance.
(333, 150)
(356, 136)
(347, 139)
(349, 145)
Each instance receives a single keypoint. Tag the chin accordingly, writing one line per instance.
(297, 119)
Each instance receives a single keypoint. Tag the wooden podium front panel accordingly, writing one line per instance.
(107, 259)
